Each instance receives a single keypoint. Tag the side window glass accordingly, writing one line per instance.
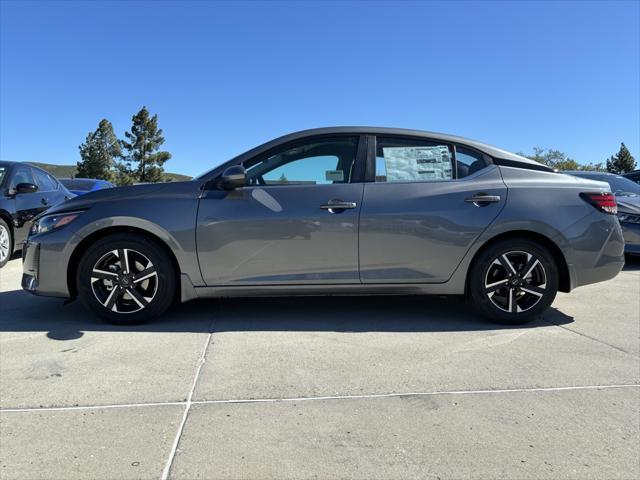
(320, 162)
(21, 175)
(468, 162)
(412, 160)
(44, 182)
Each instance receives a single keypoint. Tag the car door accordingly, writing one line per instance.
(296, 222)
(27, 205)
(423, 209)
(48, 188)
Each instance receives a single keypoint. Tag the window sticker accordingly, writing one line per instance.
(411, 164)
(334, 176)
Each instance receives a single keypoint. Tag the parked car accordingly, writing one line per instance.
(627, 195)
(80, 186)
(345, 210)
(633, 176)
(25, 191)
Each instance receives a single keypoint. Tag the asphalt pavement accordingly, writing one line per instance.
(359, 388)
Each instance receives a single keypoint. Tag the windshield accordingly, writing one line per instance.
(3, 170)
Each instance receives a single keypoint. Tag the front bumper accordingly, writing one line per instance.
(45, 263)
(30, 266)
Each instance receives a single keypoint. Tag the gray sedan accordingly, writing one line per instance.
(339, 211)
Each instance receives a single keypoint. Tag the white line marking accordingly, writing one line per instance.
(176, 441)
(333, 397)
(415, 394)
(88, 407)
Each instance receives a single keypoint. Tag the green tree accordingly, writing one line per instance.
(621, 162)
(144, 161)
(553, 158)
(123, 174)
(98, 152)
(559, 160)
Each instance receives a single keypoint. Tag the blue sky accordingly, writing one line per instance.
(224, 77)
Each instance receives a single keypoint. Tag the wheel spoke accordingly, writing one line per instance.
(102, 274)
(538, 291)
(144, 274)
(492, 287)
(111, 300)
(513, 302)
(124, 259)
(504, 261)
(531, 264)
(139, 299)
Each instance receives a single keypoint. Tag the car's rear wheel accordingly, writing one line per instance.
(513, 281)
(126, 279)
(6, 243)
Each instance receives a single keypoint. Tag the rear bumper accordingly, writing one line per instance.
(594, 249)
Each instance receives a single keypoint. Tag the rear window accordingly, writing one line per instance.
(3, 172)
(74, 184)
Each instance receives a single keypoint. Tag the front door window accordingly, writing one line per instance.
(319, 162)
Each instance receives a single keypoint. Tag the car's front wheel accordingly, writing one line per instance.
(126, 279)
(6, 243)
(513, 281)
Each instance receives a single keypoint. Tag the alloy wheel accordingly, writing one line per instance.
(515, 281)
(4, 243)
(124, 281)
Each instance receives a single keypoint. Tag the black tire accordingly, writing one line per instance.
(514, 299)
(151, 296)
(4, 226)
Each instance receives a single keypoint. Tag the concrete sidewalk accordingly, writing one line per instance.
(322, 388)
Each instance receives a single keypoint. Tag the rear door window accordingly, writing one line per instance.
(412, 160)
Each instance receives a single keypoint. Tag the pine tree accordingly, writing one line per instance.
(98, 152)
(142, 145)
(621, 162)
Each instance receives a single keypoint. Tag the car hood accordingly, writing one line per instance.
(628, 204)
(119, 194)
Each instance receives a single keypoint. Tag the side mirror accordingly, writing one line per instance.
(26, 188)
(232, 178)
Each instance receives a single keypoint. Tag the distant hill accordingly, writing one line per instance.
(69, 171)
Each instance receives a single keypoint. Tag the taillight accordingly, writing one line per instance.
(605, 202)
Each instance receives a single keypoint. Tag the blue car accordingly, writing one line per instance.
(80, 186)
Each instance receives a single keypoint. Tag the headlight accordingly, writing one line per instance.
(48, 223)
(628, 217)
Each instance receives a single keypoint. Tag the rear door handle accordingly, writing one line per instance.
(45, 201)
(482, 200)
(335, 206)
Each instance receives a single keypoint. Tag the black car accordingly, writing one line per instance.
(627, 194)
(25, 191)
(633, 176)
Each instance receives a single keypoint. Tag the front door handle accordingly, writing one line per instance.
(337, 206)
(482, 200)
(45, 201)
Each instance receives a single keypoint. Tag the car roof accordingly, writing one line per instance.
(489, 149)
(483, 147)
